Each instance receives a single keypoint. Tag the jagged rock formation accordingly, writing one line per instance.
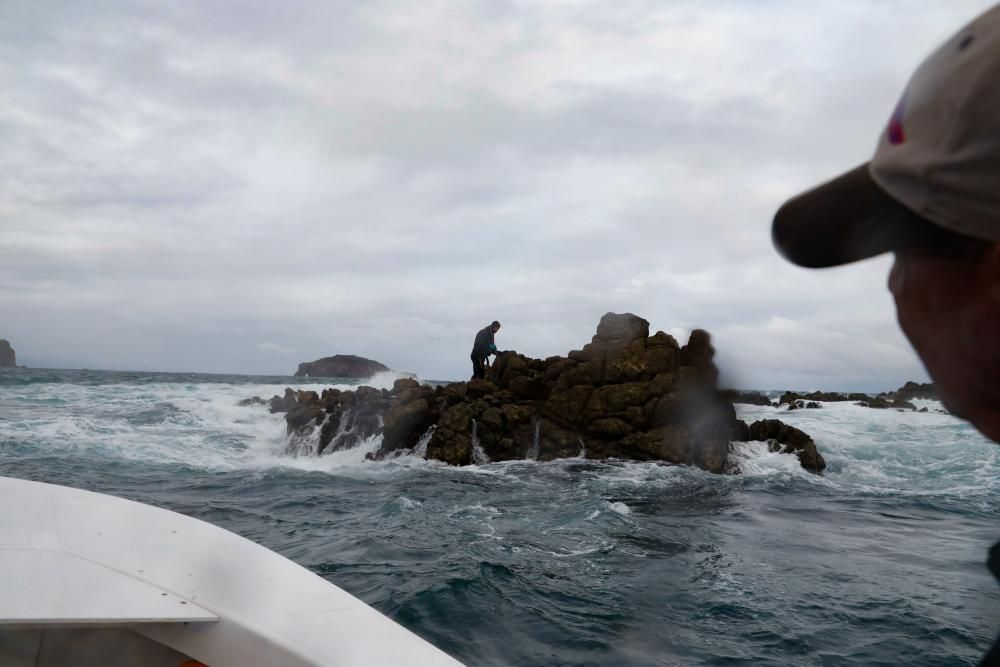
(7, 357)
(625, 395)
(340, 366)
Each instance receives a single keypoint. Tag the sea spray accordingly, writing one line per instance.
(479, 456)
(305, 442)
(532, 454)
(420, 450)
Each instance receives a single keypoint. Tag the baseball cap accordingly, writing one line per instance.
(936, 166)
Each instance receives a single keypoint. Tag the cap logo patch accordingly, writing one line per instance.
(895, 131)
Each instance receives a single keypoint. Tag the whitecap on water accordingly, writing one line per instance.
(408, 503)
(883, 451)
(756, 458)
(619, 508)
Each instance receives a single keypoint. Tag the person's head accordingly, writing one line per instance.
(930, 195)
(495, 326)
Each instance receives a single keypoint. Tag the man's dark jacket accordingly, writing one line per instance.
(484, 345)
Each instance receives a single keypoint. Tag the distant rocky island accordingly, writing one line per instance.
(625, 395)
(900, 399)
(340, 366)
(7, 356)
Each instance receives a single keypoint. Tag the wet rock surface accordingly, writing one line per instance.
(626, 394)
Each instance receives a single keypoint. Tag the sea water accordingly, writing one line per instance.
(880, 561)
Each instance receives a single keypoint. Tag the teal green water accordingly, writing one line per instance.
(878, 562)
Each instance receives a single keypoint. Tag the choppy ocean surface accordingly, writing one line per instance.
(878, 562)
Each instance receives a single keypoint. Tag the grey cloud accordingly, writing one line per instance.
(207, 186)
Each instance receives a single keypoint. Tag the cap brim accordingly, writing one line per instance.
(848, 219)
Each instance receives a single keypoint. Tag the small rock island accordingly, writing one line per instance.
(340, 366)
(7, 357)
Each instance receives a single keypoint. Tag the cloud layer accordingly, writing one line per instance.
(237, 188)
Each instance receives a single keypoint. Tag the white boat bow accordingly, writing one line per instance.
(89, 578)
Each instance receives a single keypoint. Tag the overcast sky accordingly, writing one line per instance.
(238, 187)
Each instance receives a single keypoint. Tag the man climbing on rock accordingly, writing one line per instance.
(482, 349)
(931, 195)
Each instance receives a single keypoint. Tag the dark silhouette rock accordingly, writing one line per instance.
(340, 366)
(282, 403)
(747, 397)
(912, 390)
(885, 401)
(7, 357)
(830, 396)
(624, 395)
(899, 399)
(254, 400)
(621, 328)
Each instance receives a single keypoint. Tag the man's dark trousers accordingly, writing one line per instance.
(478, 370)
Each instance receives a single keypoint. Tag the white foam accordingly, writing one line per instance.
(201, 426)
(408, 503)
(888, 451)
(421, 449)
(619, 508)
(756, 459)
(478, 508)
(479, 456)
(193, 425)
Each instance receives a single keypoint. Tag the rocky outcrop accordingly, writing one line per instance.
(7, 357)
(626, 395)
(343, 418)
(831, 396)
(883, 401)
(782, 437)
(340, 366)
(912, 390)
